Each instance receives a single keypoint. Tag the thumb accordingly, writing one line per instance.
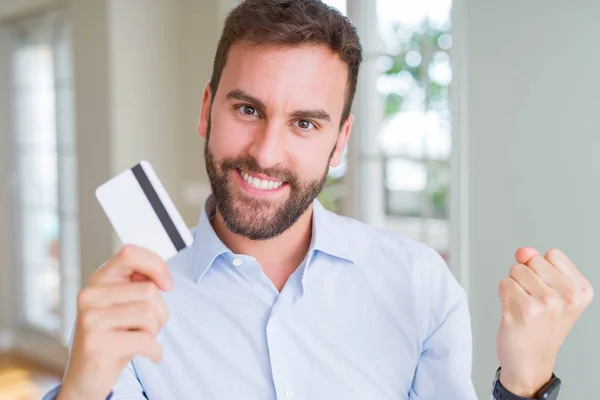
(524, 254)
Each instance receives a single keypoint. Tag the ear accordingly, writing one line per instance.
(205, 111)
(342, 141)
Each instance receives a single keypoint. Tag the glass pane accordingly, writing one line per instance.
(438, 189)
(43, 116)
(339, 4)
(415, 135)
(37, 181)
(34, 95)
(333, 192)
(405, 181)
(40, 254)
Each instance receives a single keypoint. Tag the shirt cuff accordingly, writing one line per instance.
(53, 394)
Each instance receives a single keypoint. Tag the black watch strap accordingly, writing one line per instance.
(548, 392)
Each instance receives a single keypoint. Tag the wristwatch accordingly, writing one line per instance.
(548, 392)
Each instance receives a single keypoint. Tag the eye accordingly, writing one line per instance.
(304, 124)
(248, 110)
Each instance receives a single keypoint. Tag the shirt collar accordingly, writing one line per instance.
(207, 245)
(328, 236)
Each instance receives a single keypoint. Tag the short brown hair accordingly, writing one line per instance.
(291, 22)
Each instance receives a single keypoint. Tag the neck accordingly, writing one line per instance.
(280, 256)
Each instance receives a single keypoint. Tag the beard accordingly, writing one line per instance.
(251, 217)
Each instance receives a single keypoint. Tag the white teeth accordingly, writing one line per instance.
(262, 184)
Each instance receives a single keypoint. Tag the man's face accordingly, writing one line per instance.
(272, 130)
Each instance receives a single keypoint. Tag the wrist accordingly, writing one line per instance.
(72, 392)
(523, 387)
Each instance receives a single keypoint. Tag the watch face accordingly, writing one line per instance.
(551, 392)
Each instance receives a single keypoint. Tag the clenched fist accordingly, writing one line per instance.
(541, 300)
(118, 316)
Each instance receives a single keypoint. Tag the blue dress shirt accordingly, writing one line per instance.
(368, 315)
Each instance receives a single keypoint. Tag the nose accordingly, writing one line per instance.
(267, 147)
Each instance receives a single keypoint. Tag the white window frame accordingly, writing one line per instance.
(365, 161)
(18, 335)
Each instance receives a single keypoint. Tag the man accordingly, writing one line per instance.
(280, 299)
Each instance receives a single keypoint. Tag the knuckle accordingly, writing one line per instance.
(147, 312)
(571, 299)
(93, 278)
(549, 302)
(149, 290)
(84, 297)
(87, 319)
(127, 251)
(532, 310)
(516, 270)
(504, 286)
(553, 253)
(589, 293)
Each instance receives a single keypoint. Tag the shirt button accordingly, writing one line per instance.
(237, 262)
(289, 393)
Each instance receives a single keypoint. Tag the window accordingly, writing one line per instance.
(334, 190)
(44, 162)
(415, 136)
(414, 139)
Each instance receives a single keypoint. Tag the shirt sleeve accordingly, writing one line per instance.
(127, 387)
(444, 368)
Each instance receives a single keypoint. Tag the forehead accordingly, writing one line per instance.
(305, 75)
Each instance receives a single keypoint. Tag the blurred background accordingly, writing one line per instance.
(475, 133)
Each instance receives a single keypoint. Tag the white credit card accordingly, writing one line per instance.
(142, 213)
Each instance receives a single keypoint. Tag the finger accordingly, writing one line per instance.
(564, 265)
(133, 259)
(124, 317)
(105, 296)
(128, 344)
(528, 280)
(510, 290)
(551, 275)
(524, 254)
(136, 277)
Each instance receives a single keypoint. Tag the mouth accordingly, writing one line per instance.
(258, 184)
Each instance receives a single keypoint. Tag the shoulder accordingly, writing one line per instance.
(372, 243)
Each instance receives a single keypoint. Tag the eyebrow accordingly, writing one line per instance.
(312, 114)
(239, 94)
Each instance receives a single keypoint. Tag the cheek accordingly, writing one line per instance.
(228, 138)
(310, 159)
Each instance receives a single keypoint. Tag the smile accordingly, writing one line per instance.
(258, 183)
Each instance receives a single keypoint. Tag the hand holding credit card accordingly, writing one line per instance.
(119, 315)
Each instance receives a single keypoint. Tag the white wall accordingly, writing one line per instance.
(533, 89)
(156, 64)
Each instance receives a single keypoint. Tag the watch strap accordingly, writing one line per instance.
(548, 392)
